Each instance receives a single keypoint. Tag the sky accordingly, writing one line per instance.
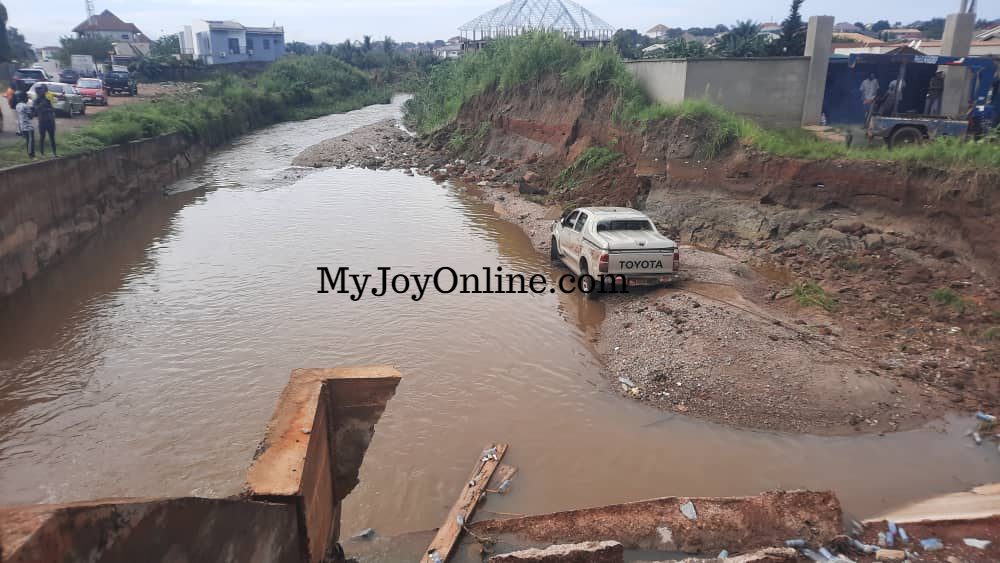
(332, 21)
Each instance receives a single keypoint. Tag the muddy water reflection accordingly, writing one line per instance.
(148, 363)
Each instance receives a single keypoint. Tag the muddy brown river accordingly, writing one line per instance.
(149, 362)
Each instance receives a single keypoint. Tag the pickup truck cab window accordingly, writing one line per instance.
(580, 222)
(568, 220)
(624, 225)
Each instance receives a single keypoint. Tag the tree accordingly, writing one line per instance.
(20, 50)
(721, 28)
(388, 45)
(880, 26)
(4, 40)
(932, 29)
(97, 47)
(743, 40)
(166, 46)
(629, 43)
(366, 43)
(678, 49)
(792, 42)
(860, 25)
(300, 48)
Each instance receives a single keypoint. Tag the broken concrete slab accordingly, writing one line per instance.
(736, 524)
(315, 443)
(767, 555)
(185, 530)
(585, 552)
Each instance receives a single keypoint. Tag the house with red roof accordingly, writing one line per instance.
(110, 26)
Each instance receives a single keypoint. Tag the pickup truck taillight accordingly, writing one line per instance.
(677, 259)
(602, 264)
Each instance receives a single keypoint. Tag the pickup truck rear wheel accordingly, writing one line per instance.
(554, 250)
(906, 136)
(585, 283)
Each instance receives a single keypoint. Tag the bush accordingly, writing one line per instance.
(810, 294)
(590, 161)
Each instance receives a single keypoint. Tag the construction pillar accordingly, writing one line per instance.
(956, 42)
(819, 45)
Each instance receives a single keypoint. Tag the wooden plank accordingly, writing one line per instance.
(473, 490)
(504, 472)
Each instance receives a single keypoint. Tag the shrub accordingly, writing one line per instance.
(590, 161)
(810, 294)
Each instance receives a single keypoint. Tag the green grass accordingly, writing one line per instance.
(947, 296)
(991, 334)
(590, 161)
(810, 294)
(292, 88)
(510, 63)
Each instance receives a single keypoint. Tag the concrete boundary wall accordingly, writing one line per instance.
(771, 90)
(48, 208)
(289, 511)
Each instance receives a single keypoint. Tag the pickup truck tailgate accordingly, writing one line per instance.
(641, 262)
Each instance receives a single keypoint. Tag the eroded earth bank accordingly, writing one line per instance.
(820, 297)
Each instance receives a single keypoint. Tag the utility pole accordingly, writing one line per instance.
(90, 10)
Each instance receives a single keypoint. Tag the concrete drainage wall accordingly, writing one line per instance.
(306, 464)
(48, 208)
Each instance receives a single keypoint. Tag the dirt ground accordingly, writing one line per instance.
(728, 343)
(147, 92)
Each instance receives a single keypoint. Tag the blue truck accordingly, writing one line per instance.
(905, 129)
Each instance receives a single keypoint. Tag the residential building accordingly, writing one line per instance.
(658, 31)
(926, 47)
(110, 26)
(227, 41)
(846, 27)
(48, 53)
(903, 33)
(450, 50)
(770, 27)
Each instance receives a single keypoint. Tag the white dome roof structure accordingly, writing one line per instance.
(518, 16)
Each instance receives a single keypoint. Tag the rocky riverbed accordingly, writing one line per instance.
(744, 339)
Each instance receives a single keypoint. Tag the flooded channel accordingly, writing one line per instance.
(149, 362)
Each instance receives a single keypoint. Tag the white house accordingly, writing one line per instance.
(227, 41)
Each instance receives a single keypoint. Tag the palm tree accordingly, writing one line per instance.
(743, 40)
(366, 43)
(387, 45)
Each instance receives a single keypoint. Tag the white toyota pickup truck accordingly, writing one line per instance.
(611, 244)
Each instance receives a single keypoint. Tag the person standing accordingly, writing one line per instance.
(26, 129)
(869, 90)
(935, 89)
(46, 119)
(892, 94)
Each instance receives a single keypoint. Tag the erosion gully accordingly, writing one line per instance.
(149, 362)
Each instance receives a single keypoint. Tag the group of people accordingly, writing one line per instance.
(885, 103)
(46, 115)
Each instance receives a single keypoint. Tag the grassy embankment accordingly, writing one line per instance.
(506, 64)
(291, 89)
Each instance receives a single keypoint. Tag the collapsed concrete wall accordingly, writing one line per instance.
(48, 208)
(289, 512)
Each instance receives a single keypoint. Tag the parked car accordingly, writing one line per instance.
(613, 244)
(66, 100)
(120, 82)
(92, 90)
(68, 76)
(23, 78)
